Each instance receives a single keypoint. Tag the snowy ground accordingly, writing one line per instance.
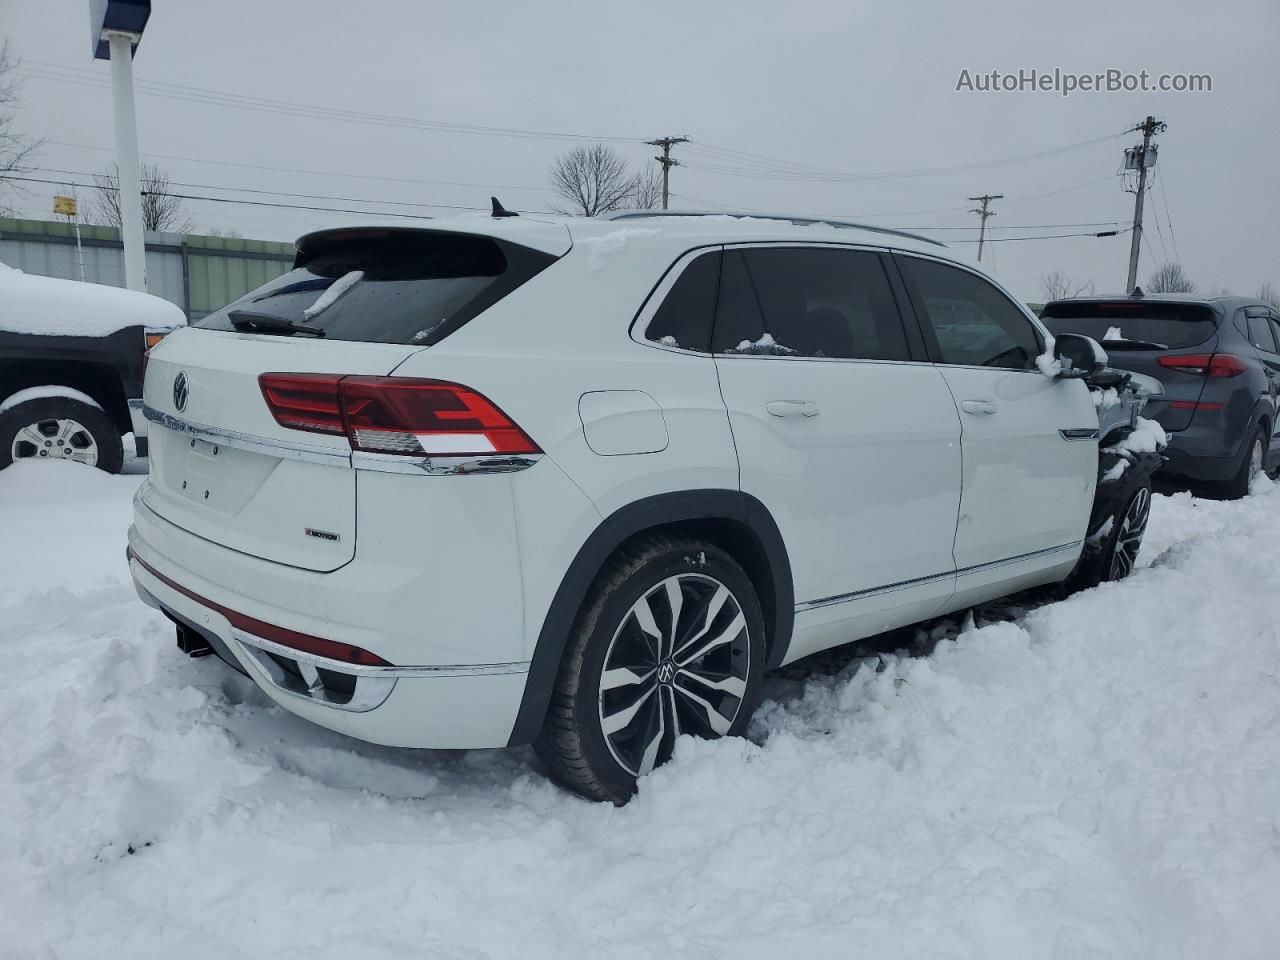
(1099, 778)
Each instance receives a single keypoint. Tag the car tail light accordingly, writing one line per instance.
(394, 414)
(304, 401)
(1209, 365)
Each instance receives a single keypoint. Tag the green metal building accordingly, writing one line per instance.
(198, 273)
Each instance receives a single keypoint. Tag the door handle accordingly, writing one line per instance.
(977, 406)
(792, 408)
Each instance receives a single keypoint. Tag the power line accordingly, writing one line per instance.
(174, 91)
(258, 203)
(1052, 236)
(1167, 218)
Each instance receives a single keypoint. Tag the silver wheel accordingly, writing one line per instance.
(678, 663)
(1129, 538)
(55, 439)
(1255, 459)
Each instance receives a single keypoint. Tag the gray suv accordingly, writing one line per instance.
(1218, 360)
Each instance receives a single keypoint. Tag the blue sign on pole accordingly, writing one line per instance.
(124, 16)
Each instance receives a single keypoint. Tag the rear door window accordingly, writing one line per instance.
(1260, 334)
(808, 302)
(973, 323)
(1128, 324)
(412, 287)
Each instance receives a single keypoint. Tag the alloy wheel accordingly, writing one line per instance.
(678, 663)
(56, 439)
(1255, 459)
(1129, 539)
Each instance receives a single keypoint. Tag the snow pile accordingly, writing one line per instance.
(598, 248)
(39, 393)
(1147, 436)
(1105, 399)
(1097, 778)
(765, 345)
(1047, 363)
(332, 292)
(54, 307)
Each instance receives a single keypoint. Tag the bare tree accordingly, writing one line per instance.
(16, 149)
(1059, 286)
(646, 190)
(1170, 278)
(591, 180)
(230, 233)
(1268, 293)
(161, 209)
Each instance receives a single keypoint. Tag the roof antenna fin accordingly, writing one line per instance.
(1137, 291)
(499, 210)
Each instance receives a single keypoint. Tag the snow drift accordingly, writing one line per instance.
(1096, 778)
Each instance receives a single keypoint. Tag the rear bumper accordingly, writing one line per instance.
(439, 706)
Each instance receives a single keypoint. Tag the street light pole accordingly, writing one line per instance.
(135, 256)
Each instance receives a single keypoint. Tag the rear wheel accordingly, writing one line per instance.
(1251, 464)
(670, 641)
(59, 428)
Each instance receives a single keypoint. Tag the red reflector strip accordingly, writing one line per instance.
(305, 642)
(1193, 405)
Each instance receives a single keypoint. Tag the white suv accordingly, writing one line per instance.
(581, 482)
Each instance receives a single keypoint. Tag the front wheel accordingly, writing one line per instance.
(1116, 527)
(670, 641)
(60, 428)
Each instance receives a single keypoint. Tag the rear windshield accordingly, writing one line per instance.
(1171, 325)
(412, 287)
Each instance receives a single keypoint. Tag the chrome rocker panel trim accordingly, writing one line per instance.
(327, 456)
(962, 572)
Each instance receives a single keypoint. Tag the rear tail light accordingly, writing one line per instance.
(394, 414)
(1208, 365)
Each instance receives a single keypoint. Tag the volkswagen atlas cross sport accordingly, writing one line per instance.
(579, 483)
(1218, 359)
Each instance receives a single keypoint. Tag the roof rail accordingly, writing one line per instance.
(799, 220)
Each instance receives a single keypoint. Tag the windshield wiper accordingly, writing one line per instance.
(250, 322)
(1134, 345)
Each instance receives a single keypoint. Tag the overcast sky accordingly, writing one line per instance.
(845, 89)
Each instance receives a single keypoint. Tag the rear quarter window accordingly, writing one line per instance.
(412, 287)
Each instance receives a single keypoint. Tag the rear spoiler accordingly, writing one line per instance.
(546, 236)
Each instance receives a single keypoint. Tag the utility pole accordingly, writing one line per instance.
(666, 143)
(984, 213)
(1142, 157)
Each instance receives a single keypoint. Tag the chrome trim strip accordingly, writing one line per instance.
(282, 449)
(442, 466)
(1078, 433)
(932, 578)
(327, 456)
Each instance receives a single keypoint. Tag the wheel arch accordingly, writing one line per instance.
(734, 520)
(99, 380)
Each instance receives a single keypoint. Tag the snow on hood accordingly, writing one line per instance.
(71, 308)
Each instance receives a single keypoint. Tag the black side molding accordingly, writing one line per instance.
(749, 517)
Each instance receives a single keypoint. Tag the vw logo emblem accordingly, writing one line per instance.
(666, 672)
(181, 391)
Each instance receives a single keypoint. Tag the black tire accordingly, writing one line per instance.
(607, 635)
(40, 413)
(1116, 526)
(1238, 485)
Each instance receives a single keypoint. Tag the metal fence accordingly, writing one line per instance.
(198, 273)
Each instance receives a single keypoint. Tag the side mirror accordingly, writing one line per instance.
(1080, 356)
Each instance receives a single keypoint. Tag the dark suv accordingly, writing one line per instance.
(1219, 362)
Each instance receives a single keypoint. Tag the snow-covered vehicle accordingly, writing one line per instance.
(579, 483)
(72, 356)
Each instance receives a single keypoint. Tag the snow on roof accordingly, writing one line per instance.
(51, 306)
